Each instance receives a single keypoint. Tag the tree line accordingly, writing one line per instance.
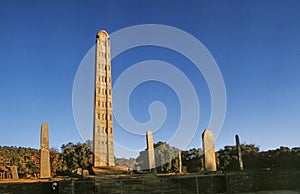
(167, 159)
(73, 156)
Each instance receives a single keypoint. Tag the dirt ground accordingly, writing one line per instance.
(28, 180)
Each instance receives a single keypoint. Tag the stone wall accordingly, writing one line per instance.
(263, 180)
(215, 183)
(27, 188)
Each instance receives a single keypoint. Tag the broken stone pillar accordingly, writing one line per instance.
(150, 148)
(179, 161)
(239, 152)
(14, 172)
(209, 151)
(45, 171)
(79, 171)
(85, 173)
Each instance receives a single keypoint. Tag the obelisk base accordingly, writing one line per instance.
(110, 170)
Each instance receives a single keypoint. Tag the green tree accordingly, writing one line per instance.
(166, 158)
(55, 161)
(193, 159)
(250, 156)
(76, 156)
(227, 159)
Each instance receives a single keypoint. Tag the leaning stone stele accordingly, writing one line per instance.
(239, 152)
(45, 171)
(150, 148)
(209, 151)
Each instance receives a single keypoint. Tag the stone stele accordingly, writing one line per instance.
(209, 151)
(45, 154)
(14, 172)
(150, 148)
(179, 161)
(239, 152)
(103, 122)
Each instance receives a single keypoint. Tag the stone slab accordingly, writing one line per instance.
(209, 151)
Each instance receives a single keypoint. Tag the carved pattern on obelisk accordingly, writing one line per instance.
(103, 126)
(45, 171)
(209, 151)
(150, 149)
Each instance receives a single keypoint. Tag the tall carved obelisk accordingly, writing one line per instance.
(45, 153)
(103, 126)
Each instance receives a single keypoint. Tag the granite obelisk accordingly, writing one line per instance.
(209, 151)
(103, 124)
(45, 153)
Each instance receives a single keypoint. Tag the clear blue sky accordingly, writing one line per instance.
(255, 43)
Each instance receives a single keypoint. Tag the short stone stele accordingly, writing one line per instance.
(14, 172)
(85, 173)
